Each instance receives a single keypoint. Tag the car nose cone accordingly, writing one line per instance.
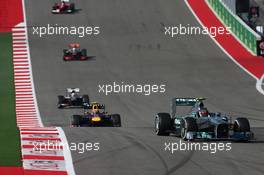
(96, 119)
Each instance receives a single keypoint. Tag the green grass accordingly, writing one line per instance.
(10, 154)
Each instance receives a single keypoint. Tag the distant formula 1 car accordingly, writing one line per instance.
(74, 53)
(200, 124)
(63, 7)
(95, 115)
(73, 99)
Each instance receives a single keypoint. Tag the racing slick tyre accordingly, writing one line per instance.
(61, 100)
(76, 120)
(222, 131)
(64, 52)
(72, 7)
(188, 124)
(163, 124)
(86, 99)
(84, 52)
(241, 125)
(116, 120)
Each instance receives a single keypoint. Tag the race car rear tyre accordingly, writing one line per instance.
(76, 120)
(72, 7)
(60, 101)
(163, 124)
(65, 55)
(116, 120)
(86, 99)
(188, 124)
(241, 125)
(84, 52)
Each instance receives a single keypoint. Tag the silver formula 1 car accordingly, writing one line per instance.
(199, 123)
(73, 99)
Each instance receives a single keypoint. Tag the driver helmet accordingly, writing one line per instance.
(73, 93)
(95, 109)
(62, 3)
(74, 50)
(203, 112)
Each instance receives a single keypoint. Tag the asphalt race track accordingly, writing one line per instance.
(132, 48)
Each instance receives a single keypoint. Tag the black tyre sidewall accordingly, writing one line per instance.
(86, 99)
(116, 120)
(76, 120)
(241, 125)
(163, 121)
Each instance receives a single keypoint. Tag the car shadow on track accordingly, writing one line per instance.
(76, 11)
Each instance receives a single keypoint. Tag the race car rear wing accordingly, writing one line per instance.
(90, 106)
(183, 102)
(69, 90)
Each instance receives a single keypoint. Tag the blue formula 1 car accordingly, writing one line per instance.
(200, 124)
(95, 115)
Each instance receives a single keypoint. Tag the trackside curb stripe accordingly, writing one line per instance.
(28, 117)
(258, 79)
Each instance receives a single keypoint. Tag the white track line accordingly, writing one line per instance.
(259, 85)
(66, 152)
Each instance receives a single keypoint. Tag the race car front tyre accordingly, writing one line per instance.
(60, 101)
(241, 125)
(188, 124)
(76, 120)
(116, 120)
(163, 124)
